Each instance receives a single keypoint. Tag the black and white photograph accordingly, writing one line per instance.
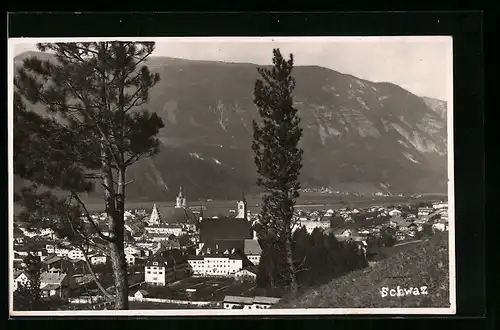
(177, 176)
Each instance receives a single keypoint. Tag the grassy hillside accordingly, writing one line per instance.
(423, 265)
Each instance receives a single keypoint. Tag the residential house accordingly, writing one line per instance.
(132, 228)
(336, 221)
(405, 226)
(166, 266)
(18, 235)
(252, 251)
(141, 294)
(328, 213)
(130, 258)
(246, 274)
(20, 278)
(55, 285)
(440, 226)
(411, 217)
(400, 236)
(171, 244)
(61, 264)
(98, 259)
(397, 221)
(310, 225)
(61, 251)
(264, 302)
(424, 211)
(128, 214)
(394, 212)
(363, 231)
(47, 232)
(439, 205)
(28, 233)
(50, 248)
(25, 250)
(131, 249)
(343, 233)
(238, 302)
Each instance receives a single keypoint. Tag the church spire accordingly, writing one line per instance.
(242, 207)
(180, 201)
(155, 218)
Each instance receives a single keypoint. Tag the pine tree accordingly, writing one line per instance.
(277, 156)
(96, 128)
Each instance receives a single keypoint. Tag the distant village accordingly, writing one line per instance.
(205, 256)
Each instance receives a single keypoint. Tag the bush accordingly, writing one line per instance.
(318, 258)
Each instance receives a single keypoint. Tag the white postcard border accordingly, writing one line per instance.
(223, 312)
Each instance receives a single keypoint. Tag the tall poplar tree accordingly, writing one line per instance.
(94, 94)
(278, 158)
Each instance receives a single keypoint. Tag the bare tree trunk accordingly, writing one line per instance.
(118, 260)
(287, 215)
(290, 263)
(116, 229)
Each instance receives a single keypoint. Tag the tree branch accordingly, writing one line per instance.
(98, 283)
(135, 100)
(132, 159)
(89, 218)
(94, 119)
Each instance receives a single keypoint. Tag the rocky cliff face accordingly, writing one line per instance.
(437, 106)
(358, 135)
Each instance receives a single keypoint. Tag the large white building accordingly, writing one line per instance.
(165, 230)
(76, 254)
(165, 267)
(215, 265)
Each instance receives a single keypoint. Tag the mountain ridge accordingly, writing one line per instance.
(358, 135)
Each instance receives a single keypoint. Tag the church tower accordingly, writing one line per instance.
(180, 201)
(155, 217)
(242, 208)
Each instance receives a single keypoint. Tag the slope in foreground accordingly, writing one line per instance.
(425, 265)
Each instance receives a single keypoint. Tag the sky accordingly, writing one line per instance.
(422, 65)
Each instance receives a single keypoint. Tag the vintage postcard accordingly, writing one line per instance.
(231, 176)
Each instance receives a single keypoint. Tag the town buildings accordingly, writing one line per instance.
(238, 302)
(166, 266)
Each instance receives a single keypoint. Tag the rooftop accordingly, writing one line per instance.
(52, 278)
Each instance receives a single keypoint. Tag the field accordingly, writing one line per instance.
(207, 289)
